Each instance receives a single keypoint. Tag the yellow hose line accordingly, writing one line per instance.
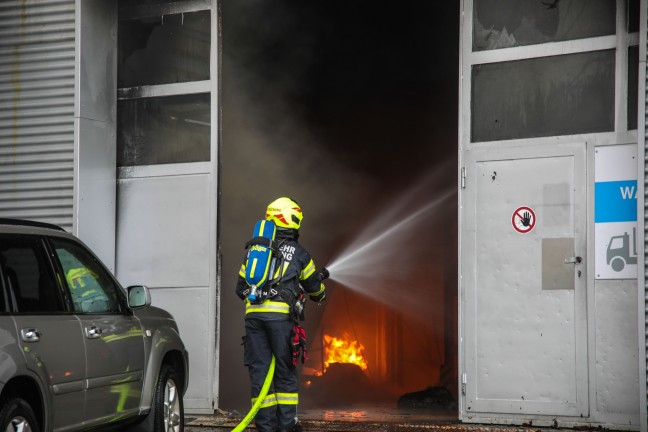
(255, 408)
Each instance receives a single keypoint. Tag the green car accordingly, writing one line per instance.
(78, 351)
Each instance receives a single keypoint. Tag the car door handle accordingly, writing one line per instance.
(573, 260)
(93, 332)
(30, 335)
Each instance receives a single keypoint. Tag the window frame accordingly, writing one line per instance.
(472, 22)
(620, 42)
(129, 12)
(177, 100)
(496, 83)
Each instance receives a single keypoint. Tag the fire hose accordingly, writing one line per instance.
(255, 407)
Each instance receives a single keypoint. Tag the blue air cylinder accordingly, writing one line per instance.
(254, 293)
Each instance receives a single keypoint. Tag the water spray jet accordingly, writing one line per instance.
(380, 264)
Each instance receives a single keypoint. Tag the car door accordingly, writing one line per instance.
(49, 336)
(113, 335)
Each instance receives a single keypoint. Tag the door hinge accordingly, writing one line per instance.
(464, 381)
(463, 177)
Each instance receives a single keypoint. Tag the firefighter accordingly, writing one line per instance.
(271, 325)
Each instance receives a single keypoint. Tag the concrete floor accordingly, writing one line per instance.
(359, 419)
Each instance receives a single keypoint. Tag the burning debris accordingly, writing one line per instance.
(343, 350)
(343, 380)
(343, 384)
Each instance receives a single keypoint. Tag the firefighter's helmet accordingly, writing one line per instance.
(285, 213)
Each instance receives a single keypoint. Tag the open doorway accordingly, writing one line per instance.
(351, 109)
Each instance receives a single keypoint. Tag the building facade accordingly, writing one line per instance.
(551, 274)
(109, 127)
(103, 102)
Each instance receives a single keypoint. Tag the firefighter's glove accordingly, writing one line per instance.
(298, 344)
(324, 273)
(319, 298)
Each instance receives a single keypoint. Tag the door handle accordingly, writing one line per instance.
(30, 335)
(93, 332)
(574, 260)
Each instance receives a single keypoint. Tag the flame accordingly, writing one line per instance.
(343, 350)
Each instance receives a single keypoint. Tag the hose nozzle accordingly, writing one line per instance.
(324, 273)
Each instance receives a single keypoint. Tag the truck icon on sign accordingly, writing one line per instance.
(618, 251)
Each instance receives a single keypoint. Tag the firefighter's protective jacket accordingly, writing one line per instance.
(298, 269)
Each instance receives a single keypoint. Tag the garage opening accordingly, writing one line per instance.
(351, 109)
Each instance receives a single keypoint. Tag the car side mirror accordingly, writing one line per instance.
(138, 296)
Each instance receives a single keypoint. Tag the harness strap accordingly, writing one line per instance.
(264, 241)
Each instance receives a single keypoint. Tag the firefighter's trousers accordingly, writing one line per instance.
(262, 340)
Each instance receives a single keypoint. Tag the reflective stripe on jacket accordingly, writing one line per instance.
(267, 306)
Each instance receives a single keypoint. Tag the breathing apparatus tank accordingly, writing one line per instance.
(262, 260)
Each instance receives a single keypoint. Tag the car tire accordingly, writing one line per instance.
(168, 407)
(18, 415)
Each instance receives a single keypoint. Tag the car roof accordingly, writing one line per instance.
(24, 226)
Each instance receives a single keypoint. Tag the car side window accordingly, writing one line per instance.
(27, 276)
(91, 288)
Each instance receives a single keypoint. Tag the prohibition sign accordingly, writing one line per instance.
(523, 219)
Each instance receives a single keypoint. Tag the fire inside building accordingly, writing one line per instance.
(471, 173)
(379, 198)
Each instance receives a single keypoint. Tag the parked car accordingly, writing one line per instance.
(78, 351)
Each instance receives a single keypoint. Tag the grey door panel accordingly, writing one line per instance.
(58, 357)
(49, 338)
(114, 344)
(115, 365)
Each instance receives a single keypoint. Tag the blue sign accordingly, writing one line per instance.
(615, 201)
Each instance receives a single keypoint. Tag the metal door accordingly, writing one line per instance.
(524, 281)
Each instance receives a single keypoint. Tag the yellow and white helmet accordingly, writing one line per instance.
(285, 213)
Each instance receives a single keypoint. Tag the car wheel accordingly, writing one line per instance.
(17, 416)
(168, 409)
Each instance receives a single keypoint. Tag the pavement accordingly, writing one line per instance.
(360, 419)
